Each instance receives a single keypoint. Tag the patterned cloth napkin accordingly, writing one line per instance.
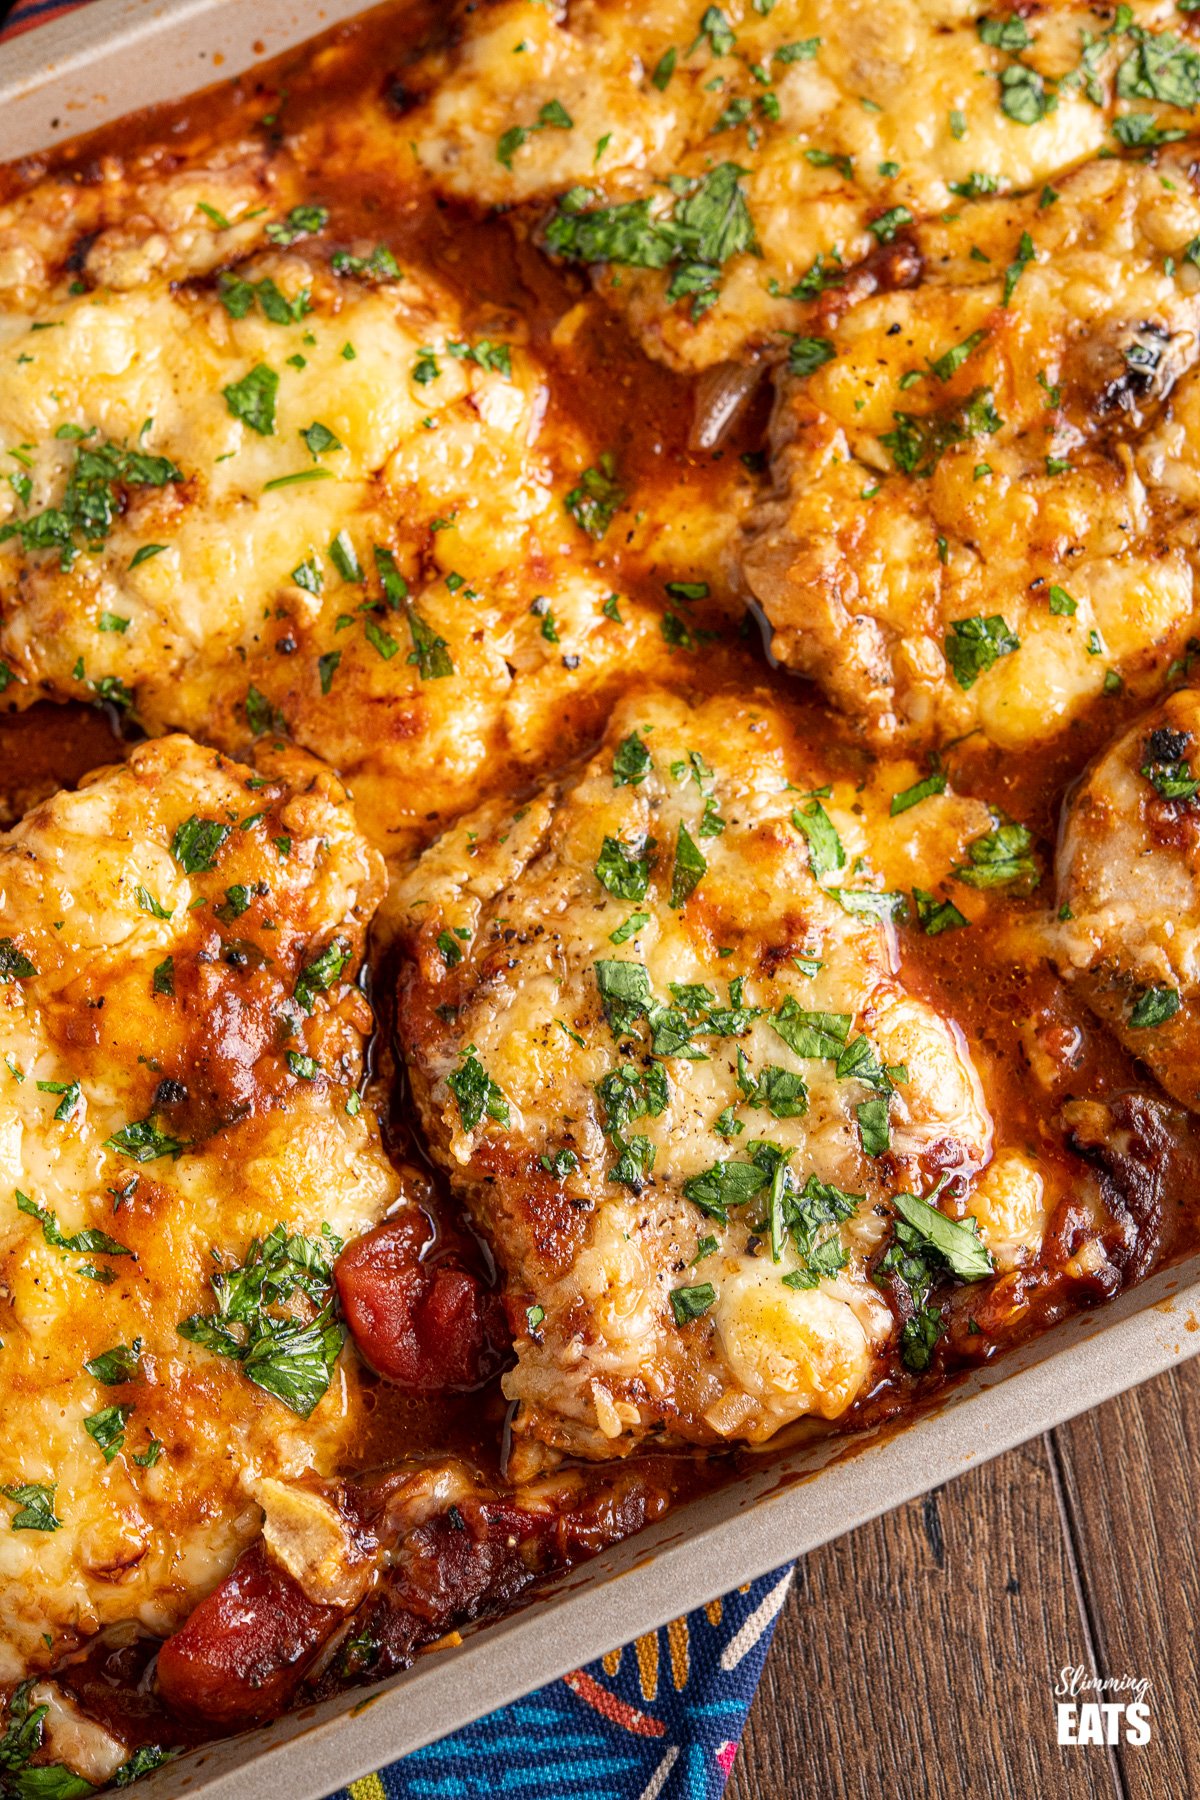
(659, 1720)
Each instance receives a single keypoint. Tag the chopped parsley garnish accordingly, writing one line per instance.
(807, 354)
(972, 646)
(381, 265)
(631, 762)
(302, 221)
(927, 1245)
(819, 1034)
(238, 297)
(952, 360)
(1008, 33)
(1154, 1007)
(107, 1429)
(90, 503)
(287, 1356)
(476, 1093)
(1160, 67)
(870, 903)
(920, 790)
(252, 399)
(1002, 857)
(632, 925)
(34, 1501)
(552, 116)
(1017, 267)
(594, 501)
(708, 224)
(781, 1092)
(112, 1368)
(920, 440)
(197, 843)
(627, 1094)
(689, 867)
(935, 916)
(625, 993)
(319, 975)
(889, 223)
(142, 1141)
(622, 870)
(562, 1162)
(89, 1241)
(689, 1303)
(825, 851)
(319, 439)
(1023, 95)
(957, 1243)
(874, 1126)
(633, 1166)
(429, 652)
(70, 1092)
(725, 1185)
(14, 964)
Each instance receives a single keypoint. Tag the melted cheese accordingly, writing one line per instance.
(818, 106)
(1018, 482)
(246, 596)
(601, 1252)
(1129, 881)
(92, 896)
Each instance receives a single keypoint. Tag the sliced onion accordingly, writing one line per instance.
(722, 396)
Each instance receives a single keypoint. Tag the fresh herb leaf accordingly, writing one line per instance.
(476, 1094)
(935, 916)
(819, 1034)
(825, 851)
(142, 1141)
(631, 762)
(621, 870)
(972, 646)
(196, 844)
(34, 1501)
(957, 1243)
(689, 1303)
(1154, 1007)
(1002, 857)
(252, 399)
(107, 1429)
(594, 502)
(688, 869)
(114, 1367)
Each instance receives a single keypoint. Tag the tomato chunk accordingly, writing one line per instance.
(427, 1326)
(244, 1650)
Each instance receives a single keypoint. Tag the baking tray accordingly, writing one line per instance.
(82, 71)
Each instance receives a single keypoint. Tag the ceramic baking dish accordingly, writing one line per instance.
(93, 66)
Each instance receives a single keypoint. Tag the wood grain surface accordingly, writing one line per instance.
(918, 1656)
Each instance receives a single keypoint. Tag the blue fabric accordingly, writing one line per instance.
(659, 1720)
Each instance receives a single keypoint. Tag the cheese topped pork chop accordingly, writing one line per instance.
(183, 1150)
(984, 504)
(299, 496)
(1129, 885)
(717, 167)
(657, 1036)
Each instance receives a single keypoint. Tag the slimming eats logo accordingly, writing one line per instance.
(1102, 1709)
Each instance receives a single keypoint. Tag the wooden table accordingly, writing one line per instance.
(918, 1656)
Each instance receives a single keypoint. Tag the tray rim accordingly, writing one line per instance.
(83, 70)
